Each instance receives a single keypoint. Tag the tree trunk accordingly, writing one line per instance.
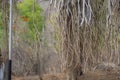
(72, 44)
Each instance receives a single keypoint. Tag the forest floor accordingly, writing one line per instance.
(96, 75)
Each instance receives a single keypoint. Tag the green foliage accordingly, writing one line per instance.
(57, 32)
(1, 29)
(1, 20)
(31, 12)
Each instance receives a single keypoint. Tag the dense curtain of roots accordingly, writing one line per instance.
(74, 18)
(90, 32)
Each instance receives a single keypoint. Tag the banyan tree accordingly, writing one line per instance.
(90, 33)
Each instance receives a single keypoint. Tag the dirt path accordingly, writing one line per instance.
(97, 75)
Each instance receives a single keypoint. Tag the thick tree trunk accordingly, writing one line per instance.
(72, 45)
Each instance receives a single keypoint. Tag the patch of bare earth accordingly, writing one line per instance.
(96, 75)
(100, 75)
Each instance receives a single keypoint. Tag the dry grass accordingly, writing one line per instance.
(92, 75)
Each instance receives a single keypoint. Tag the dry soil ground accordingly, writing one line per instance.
(96, 75)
